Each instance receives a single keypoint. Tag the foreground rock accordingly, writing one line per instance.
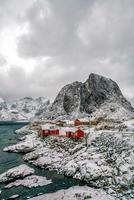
(15, 173)
(24, 131)
(76, 193)
(30, 181)
(107, 162)
(28, 143)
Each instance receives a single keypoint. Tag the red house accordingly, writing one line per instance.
(78, 134)
(54, 131)
(70, 132)
(77, 122)
(75, 133)
(47, 130)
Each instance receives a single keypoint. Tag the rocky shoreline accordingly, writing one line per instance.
(106, 162)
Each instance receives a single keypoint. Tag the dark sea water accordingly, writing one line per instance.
(9, 160)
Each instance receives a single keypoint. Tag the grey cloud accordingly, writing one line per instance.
(12, 12)
(79, 37)
(3, 61)
(81, 34)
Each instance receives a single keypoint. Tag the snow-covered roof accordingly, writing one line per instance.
(72, 129)
(84, 120)
(63, 130)
(69, 122)
(48, 126)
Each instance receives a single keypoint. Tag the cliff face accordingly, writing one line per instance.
(97, 95)
(97, 90)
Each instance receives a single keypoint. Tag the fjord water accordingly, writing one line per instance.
(9, 160)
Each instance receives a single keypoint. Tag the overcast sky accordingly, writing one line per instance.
(45, 44)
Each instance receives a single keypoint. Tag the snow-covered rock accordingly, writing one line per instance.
(15, 173)
(28, 144)
(30, 181)
(106, 160)
(76, 193)
(15, 196)
(24, 131)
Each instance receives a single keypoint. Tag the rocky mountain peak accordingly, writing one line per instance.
(96, 94)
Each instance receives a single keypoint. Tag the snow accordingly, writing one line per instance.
(129, 124)
(23, 109)
(30, 181)
(16, 172)
(14, 196)
(48, 126)
(118, 113)
(76, 193)
(28, 143)
(105, 161)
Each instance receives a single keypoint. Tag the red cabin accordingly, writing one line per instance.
(77, 122)
(47, 130)
(70, 132)
(79, 134)
(75, 133)
(54, 131)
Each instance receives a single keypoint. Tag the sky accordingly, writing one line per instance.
(46, 44)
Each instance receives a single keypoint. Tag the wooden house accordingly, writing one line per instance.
(48, 129)
(75, 133)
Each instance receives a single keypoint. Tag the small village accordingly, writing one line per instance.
(78, 128)
(70, 129)
(75, 129)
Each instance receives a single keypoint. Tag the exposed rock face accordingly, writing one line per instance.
(98, 89)
(67, 101)
(97, 92)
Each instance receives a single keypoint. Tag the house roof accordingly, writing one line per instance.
(48, 126)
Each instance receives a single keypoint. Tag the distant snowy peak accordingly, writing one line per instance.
(3, 104)
(29, 107)
(23, 109)
(97, 95)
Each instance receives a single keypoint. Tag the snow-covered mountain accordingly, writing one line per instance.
(23, 109)
(132, 102)
(98, 95)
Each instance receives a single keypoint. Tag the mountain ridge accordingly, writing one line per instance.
(22, 109)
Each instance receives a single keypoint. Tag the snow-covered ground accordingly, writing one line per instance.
(130, 125)
(30, 181)
(22, 176)
(76, 193)
(104, 160)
